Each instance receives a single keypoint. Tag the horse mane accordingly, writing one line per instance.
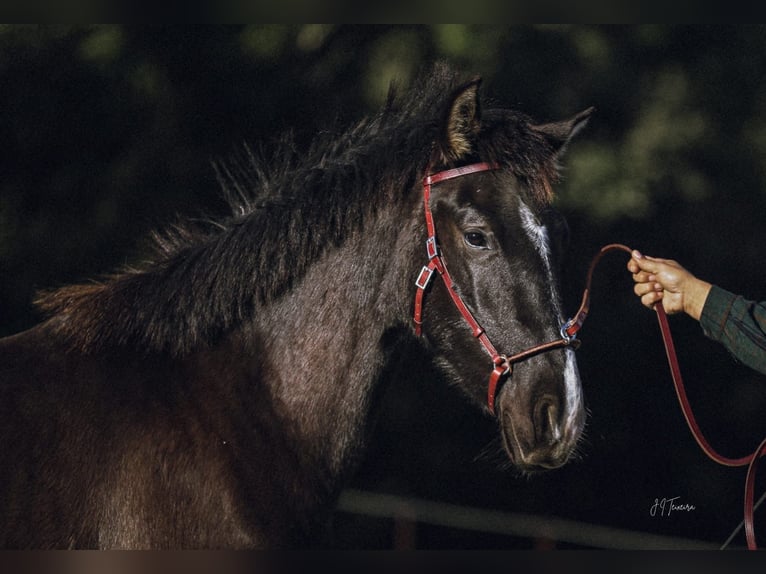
(287, 209)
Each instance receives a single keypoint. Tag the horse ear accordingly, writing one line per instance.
(461, 122)
(558, 134)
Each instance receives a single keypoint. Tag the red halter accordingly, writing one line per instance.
(502, 364)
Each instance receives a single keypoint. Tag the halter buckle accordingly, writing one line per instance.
(431, 248)
(424, 278)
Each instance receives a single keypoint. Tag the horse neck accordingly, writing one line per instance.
(324, 342)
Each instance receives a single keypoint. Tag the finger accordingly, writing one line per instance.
(633, 265)
(642, 289)
(651, 264)
(650, 299)
(643, 277)
(648, 264)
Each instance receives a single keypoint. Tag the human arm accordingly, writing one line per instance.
(736, 323)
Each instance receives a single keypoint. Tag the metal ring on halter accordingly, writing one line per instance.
(563, 331)
(503, 359)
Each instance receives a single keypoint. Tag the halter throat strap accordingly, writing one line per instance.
(502, 365)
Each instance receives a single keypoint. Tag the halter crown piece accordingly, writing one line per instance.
(502, 365)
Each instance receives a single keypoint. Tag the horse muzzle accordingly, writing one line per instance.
(543, 435)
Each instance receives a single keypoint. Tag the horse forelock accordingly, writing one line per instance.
(508, 140)
(287, 208)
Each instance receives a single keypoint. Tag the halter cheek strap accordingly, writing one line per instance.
(502, 365)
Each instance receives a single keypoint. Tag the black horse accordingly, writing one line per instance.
(220, 394)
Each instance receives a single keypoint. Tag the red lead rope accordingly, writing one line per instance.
(749, 460)
(675, 370)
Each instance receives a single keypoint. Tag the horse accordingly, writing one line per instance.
(220, 393)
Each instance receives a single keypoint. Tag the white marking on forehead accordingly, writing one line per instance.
(539, 236)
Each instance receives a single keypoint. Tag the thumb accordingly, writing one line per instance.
(644, 262)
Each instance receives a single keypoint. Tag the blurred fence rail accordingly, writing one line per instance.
(415, 510)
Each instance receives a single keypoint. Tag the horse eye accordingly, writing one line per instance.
(476, 239)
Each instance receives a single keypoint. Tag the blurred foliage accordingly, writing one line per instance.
(109, 129)
(108, 132)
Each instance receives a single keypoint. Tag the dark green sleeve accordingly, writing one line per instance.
(739, 324)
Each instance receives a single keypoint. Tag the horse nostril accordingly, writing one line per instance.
(547, 420)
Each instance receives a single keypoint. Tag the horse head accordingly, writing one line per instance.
(497, 243)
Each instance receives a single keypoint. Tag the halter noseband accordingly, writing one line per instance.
(502, 364)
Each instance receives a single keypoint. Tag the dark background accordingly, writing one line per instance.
(107, 132)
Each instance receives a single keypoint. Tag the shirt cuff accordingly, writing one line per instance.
(716, 312)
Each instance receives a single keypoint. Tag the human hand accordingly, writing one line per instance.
(667, 281)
